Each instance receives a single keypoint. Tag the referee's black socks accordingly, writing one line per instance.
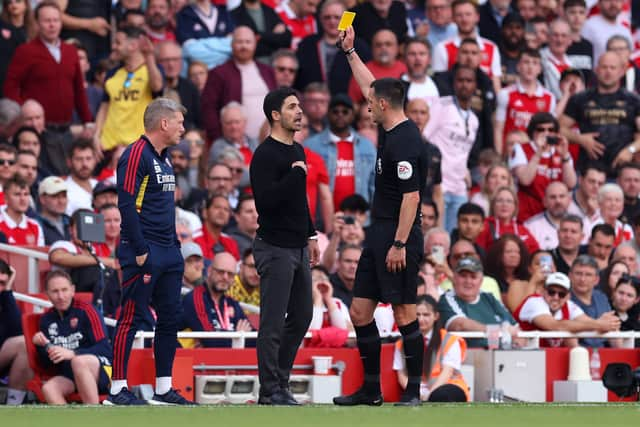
(413, 344)
(369, 346)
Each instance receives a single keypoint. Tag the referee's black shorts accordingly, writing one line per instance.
(373, 280)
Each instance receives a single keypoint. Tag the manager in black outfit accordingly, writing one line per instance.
(393, 249)
(285, 248)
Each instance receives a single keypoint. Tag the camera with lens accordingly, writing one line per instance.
(621, 380)
(553, 140)
(349, 220)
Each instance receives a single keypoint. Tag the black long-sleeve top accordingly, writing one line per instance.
(281, 194)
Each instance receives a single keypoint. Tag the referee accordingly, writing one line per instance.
(285, 248)
(393, 249)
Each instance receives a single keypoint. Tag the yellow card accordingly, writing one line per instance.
(346, 20)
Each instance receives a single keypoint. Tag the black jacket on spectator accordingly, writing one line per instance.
(488, 25)
(368, 22)
(483, 105)
(310, 70)
(340, 290)
(51, 232)
(190, 98)
(97, 46)
(10, 39)
(269, 41)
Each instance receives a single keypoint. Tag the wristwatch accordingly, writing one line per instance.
(399, 244)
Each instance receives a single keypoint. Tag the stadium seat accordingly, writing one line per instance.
(30, 326)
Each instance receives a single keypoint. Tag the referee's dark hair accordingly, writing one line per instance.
(274, 100)
(470, 209)
(391, 90)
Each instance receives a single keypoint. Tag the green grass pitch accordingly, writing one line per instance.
(476, 415)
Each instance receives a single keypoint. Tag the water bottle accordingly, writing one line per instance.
(594, 365)
(505, 336)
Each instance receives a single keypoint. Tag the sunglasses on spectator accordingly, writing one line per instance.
(553, 293)
(127, 82)
(4, 162)
(545, 129)
(287, 69)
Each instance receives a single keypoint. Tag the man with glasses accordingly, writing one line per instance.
(128, 90)
(553, 310)
(285, 67)
(169, 56)
(318, 55)
(349, 157)
(584, 279)
(208, 308)
(545, 159)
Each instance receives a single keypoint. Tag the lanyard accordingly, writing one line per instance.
(225, 321)
(464, 116)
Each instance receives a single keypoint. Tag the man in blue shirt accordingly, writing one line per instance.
(584, 278)
(149, 252)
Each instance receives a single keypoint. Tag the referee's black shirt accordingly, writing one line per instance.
(401, 167)
(280, 192)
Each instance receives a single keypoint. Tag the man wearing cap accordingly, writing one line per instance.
(466, 308)
(104, 193)
(52, 194)
(350, 157)
(193, 267)
(553, 310)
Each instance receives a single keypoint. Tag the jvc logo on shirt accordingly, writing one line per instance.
(128, 95)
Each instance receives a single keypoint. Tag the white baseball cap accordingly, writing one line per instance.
(52, 185)
(558, 279)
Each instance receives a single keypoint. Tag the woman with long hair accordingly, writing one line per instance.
(541, 264)
(18, 14)
(444, 354)
(610, 276)
(503, 220)
(498, 176)
(507, 261)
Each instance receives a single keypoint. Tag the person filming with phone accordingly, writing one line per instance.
(543, 160)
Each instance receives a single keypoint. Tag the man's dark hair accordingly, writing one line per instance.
(210, 198)
(80, 144)
(470, 209)
(274, 101)
(8, 148)
(247, 253)
(573, 3)
(461, 67)
(26, 153)
(15, 181)
(594, 165)
(322, 268)
(540, 119)
(354, 203)
(244, 197)
(24, 129)
(132, 32)
(107, 206)
(391, 90)
(469, 40)
(5, 268)
(534, 53)
(572, 218)
(283, 53)
(42, 5)
(343, 248)
(628, 165)
(429, 202)
(418, 40)
(605, 229)
(54, 274)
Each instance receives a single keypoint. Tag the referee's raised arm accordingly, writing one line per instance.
(360, 71)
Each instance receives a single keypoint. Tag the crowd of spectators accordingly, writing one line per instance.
(529, 109)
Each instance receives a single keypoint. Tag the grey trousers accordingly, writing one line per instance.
(286, 309)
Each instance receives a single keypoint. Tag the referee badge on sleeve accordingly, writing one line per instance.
(405, 170)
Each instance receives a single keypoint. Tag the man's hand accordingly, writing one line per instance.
(326, 290)
(97, 145)
(396, 260)
(279, 29)
(347, 39)
(146, 47)
(609, 322)
(624, 156)
(314, 252)
(243, 326)
(39, 339)
(300, 164)
(12, 278)
(563, 146)
(591, 145)
(141, 259)
(99, 26)
(58, 354)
